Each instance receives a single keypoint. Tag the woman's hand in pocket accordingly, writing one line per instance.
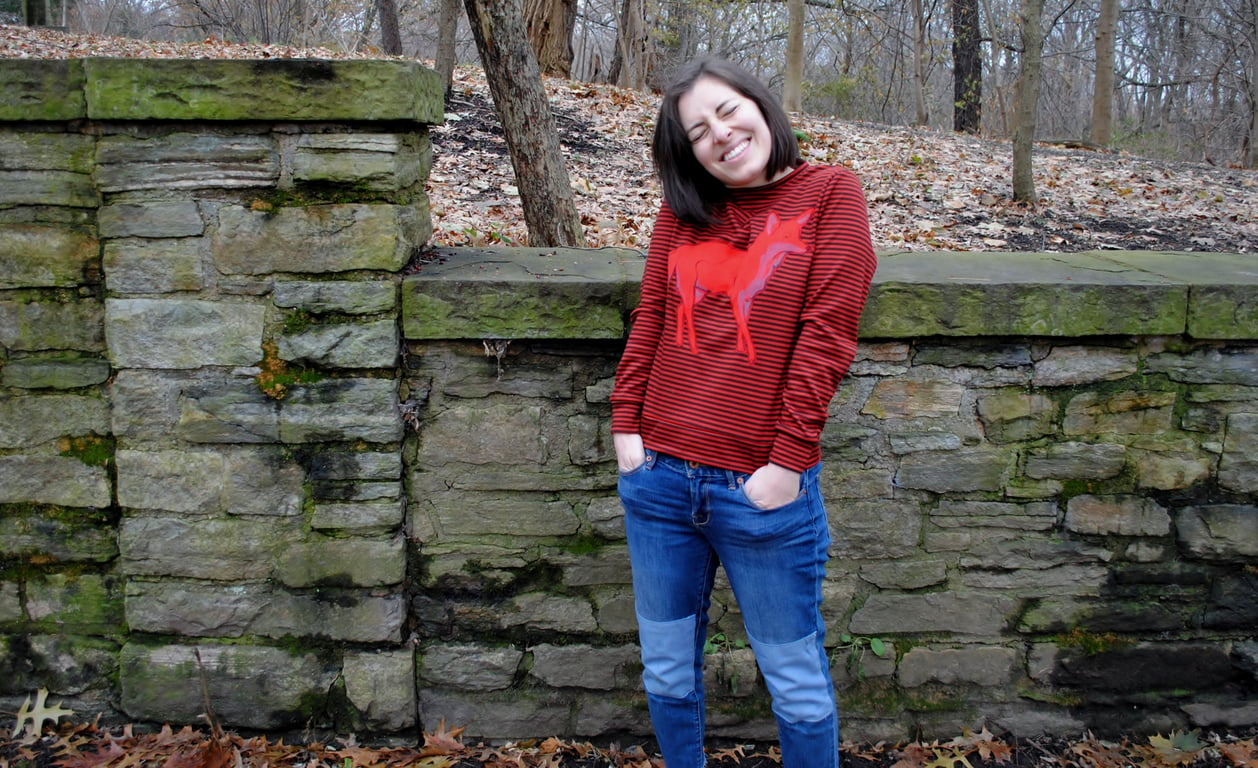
(772, 486)
(630, 453)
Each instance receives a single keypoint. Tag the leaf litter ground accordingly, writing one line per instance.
(73, 745)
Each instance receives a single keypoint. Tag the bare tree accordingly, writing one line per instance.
(390, 36)
(1028, 100)
(631, 64)
(515, 81)
(919, 64)
(1103, 85)
(793, 86)
(967, 64)
(550, 27)
(447, 43)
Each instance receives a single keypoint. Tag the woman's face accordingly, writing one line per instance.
(727, 133)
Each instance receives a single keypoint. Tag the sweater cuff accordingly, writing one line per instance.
(626, 420)
(794, 454)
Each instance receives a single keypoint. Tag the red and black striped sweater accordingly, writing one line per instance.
(746, 327)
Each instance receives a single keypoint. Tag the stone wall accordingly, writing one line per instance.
(244, 431)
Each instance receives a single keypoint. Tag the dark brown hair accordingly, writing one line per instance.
(693, 194)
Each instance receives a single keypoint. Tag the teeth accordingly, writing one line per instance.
(736, 151)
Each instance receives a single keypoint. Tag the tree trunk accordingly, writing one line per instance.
(1250, 155)
(447, 43)
(551, 24)
(967, 67)
(793, 87)
(35, 13)
(1028, 100)
(527, 122)
(919, 64)
(629, 68)
(1103, 93)
(390, 36)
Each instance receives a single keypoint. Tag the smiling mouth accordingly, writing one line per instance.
(737, 151)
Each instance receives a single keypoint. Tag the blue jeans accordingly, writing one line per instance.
(682, 520)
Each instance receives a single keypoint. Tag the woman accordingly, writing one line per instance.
(757, 272)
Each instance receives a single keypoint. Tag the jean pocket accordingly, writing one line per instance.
(742, 491)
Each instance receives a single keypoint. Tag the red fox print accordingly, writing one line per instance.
(716, 268)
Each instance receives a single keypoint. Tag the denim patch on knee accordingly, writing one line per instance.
(668, 656)
(798, 678)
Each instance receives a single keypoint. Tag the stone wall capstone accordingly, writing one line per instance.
(249, 430)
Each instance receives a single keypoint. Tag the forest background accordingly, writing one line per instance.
(1168, 79)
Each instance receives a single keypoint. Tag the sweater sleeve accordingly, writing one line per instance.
(646, 325)
(838, 285)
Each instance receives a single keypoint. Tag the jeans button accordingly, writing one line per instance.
(692, 464)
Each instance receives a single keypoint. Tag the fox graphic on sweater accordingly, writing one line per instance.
(716, 268)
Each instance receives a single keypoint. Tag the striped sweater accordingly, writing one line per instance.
(746, 327)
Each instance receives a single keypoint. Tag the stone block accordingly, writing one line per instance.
(1233, 603)
(521, 293)
(1238, 466)
(960, 613)
(544, 612)
(1225, 532)
(69, 664)
(226, 410)
(1076, 461)
(255, 687)
(1018, 294)
(584, 666)
(64, 536)
(326, 464)
(469, 667)
(62, 481)
(186, 161)
(903, 398)
(1010, 415)
(329, 562)
(154, 266)
(965, 469)
(500, 514)
(366, 518)
(1123, 413)
(351, 297)
(1233, 715)
(875, 529)
(10, 603)
(47, 187)
(53, 371)
(156, 219)
(1117, 516)
(296, 90)
(75, 603)
(605, 565)
(42, 89)
(317, 239)
(33, 420)
(341, 410)
(384, 162)
(1073, 366)
(47, 325)
(192, 609)
(380, 685)
(506, 433)
(1033, 516)
(238, 481)
(1146, 667)
(1211, 365)
(520, 715)
(906, 575)
(43, 256)
(215, 549)
(183, 333)
(988, 666)
(372, 344)
(607, 517)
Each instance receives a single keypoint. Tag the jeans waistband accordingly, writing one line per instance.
(691, 468)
